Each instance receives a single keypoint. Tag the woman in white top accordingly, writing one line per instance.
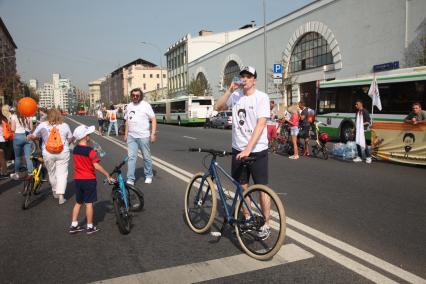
(112, 116)
(21, 127)
(56, 164)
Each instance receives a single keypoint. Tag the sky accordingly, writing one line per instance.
(84, 40)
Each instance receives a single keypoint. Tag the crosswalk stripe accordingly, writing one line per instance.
(213, 269)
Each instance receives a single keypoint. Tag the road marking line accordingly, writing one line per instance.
(362, 270)
(213, 269)
(189, 137)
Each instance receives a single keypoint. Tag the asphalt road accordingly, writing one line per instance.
(347, 223)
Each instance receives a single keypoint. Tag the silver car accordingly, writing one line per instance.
(222, 119)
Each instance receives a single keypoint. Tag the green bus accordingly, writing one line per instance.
(183, 110)
(398, 90)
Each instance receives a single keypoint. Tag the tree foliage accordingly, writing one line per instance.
(199, 87)
(415, 53)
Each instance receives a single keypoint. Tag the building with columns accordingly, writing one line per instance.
(324, 40)
(189, 48)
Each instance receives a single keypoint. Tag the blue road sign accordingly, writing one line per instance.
(278, 68)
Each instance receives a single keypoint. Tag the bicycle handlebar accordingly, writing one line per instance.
(211, 151)
(118, 167)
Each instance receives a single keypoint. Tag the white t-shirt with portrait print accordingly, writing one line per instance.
(138, 117)
(246, 110)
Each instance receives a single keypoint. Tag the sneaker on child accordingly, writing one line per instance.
(368, 160)
(148, 180)
(75, 229)
(91, 230)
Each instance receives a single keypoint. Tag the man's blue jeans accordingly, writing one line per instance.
(111, 123)
(133, 145)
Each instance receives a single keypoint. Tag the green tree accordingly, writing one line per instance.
(415, 53)
(199, 87)
(11, 86)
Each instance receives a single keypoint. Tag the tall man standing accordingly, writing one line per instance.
(363, 121)
(250, 110)
(139, 134)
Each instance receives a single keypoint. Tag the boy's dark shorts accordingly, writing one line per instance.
(85, 191)
(100, 122)
(258, 169)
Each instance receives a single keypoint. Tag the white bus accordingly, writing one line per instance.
(398, 90)
(183, 110)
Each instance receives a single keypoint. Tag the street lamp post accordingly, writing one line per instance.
(161, 61)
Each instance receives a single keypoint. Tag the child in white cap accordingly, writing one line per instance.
(86, 161)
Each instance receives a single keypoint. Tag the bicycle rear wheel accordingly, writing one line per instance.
(136, 200)
(28, 191)
(324, 153)
(249, 234)
(121, 214)
(200, 203)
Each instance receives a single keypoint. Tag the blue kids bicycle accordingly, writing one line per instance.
(125, 198)
(256, 214)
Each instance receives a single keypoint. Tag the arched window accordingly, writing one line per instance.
(232, 69)
(311, 51)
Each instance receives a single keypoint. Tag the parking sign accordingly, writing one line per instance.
(278, 68)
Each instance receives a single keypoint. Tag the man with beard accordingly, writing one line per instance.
(139, 134)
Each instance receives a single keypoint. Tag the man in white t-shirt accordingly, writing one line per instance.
(139, 134)
(250, 110)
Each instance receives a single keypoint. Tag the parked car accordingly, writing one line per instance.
(222, 119)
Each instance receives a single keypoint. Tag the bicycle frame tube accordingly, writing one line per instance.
(214, 166)
(123, 189)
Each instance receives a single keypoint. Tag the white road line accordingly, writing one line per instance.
(189, 137)
(213, 269)
(335, 256)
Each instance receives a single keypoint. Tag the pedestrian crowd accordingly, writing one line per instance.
(21, 136)
(256, 125)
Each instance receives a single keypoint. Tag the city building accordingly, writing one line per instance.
(324, 40)
(115, 87)
(95, 94)
(189, 48)
(32, 83)
(46, 96)
(7, 63)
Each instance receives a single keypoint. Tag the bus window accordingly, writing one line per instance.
(202, 102)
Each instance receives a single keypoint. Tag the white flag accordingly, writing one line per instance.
(373, 92)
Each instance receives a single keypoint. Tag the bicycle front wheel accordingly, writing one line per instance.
(260, 229)
(136, 200)
(121, 214)
(200, 203)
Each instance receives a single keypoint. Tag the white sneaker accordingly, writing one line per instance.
(148, 180)
(62, 200)
(368, 160)
(130, 182)
(357, 159)
(14, 176)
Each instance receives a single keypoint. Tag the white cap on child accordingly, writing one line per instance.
(82, 131)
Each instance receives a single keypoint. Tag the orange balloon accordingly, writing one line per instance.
(27, 107)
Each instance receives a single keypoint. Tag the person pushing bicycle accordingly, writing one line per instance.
(250, 111)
